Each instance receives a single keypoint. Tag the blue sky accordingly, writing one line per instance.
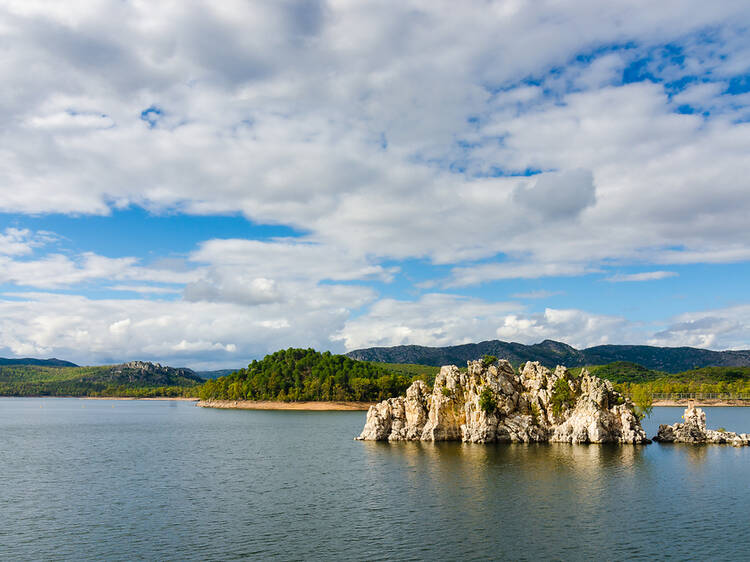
(203, 184)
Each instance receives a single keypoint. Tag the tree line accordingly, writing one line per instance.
(305, 374)
(74, 388)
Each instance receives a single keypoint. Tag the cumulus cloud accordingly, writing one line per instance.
(526, 149)
(54, 271)
(219, 334)
(575, 327)
(439, 319)
(558, 196)
(725, 328)
(252, 272)
(290, 259)
(22, 241)
(196, 334)
(339, 120)
(434, 319)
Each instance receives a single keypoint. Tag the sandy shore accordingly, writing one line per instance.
(268, 405)
(175, 398)
(702, 403)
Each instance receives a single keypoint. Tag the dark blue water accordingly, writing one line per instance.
(134, 480)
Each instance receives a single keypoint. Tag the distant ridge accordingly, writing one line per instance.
(41, 362)
(133, 379)
(147, 373)
(550, 353)
(144, 367)
(215, 374)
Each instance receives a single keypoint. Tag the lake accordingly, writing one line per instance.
(130, 480)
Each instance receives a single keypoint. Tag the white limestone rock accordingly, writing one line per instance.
(416, 409)
(693, 430)
(494, 403)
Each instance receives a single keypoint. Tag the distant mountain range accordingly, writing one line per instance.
(144, 373)
(25, 377)
(160, 372)
(550, 353)
(41, 362)
(215, 374)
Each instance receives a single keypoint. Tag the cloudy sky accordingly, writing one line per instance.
(200, 183)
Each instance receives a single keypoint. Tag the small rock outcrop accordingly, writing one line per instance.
(693, 430)
(493, 403)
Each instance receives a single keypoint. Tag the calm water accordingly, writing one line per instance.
(129, 480)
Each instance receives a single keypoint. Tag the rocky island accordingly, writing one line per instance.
(693, 430)
(490, 402)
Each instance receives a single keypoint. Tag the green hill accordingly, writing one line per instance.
(551, 353)
(625, 372)
(629, 376)
(32, 361)
(136, 378)
(305, 374)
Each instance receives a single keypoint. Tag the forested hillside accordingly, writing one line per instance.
(137, 379)
(708, 380)
(33, 361)
(551, 353)
(305, 374)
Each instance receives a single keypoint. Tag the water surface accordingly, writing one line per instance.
(129, 480)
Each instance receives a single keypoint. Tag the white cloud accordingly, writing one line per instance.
(339, 119)
(69, 121)
(145, 289)
(727, 253)
(438, 320)
(558, 196)
(434, 319)
(644, 276)
(725, 328)
(213, 335)
(290, 259)
(575, 327)
(196, 334)
(21, 241)
(483, 273)
(54, 271)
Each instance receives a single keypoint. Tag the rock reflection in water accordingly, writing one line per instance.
(550, 487)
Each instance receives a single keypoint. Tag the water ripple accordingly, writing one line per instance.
(148, 480)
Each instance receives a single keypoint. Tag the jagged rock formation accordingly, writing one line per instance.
(494, 403)
(147, 373)
(693, 430)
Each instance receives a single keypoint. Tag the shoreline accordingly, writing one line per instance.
(341, 406)
(271, 405)
(170, 398)
(703, 403)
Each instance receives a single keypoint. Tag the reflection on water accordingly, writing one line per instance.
(150, 480)
(542, 485)
(530, 461)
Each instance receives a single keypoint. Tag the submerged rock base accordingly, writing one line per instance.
(492, 403)
(693, 430)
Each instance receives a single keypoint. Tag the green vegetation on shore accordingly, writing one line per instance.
(305, 374)
(142, 381)
(426, 373)
(631, 378)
